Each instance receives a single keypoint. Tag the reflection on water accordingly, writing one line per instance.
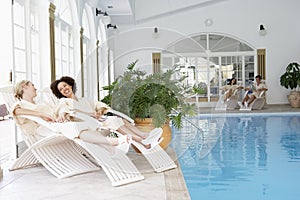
(290, 141)
(251, 158)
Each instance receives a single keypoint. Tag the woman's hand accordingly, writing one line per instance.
(96, 115)
(61, 118)
(47, 118)
(100, 112)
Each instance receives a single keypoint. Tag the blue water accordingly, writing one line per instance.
(254, 157)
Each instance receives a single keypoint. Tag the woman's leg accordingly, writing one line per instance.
(125, 131)
(113, 145)
(145, 138)
(96, 137)
(135, 130)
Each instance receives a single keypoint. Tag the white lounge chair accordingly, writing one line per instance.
(56, 153)
(119, 169)
(157, 156)
(230, 104)
(47, 94)
(64, 157)
(257, 104)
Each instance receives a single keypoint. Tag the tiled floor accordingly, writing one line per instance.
(38, 183)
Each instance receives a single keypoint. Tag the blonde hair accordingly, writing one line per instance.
(19, 88)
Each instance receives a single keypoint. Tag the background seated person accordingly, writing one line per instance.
(254, 92)
(230, 88)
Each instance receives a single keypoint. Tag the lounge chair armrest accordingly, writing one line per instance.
(41, 122)
(122, 115)
(261, 93)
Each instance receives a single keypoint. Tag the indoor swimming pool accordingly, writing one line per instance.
(247, 157)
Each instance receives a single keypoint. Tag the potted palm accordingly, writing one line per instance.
(291, 79)
(156, 97)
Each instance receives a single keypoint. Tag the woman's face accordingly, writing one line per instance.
(30, 89)
(65, 89)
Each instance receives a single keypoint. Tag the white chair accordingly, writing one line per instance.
(157, 156)
(119, 169)
(64, 157)
(47, 94)
(257, 104)
(230, 104)
(51, 151)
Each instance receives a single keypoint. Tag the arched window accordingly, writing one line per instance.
(209, 60)
(64, 42)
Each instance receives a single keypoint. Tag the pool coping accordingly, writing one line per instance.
(175, 185)
(248, 114)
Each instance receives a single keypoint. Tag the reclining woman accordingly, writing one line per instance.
(230, 89)
(25, 92)
(65, 89)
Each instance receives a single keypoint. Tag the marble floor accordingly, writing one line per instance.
(37, 183)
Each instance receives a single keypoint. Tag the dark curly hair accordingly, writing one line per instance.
(258, 76)
(69, 80)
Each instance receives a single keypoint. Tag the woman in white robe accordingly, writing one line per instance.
(65, 88)
(25, 92)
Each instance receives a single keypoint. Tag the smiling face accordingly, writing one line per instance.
(65, 89)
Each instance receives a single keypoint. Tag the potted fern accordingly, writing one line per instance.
(291, 79)
(157, 97)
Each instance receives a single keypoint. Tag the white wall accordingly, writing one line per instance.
(240, 19)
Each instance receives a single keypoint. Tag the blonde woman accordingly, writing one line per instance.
(65, 89)
(25, 92)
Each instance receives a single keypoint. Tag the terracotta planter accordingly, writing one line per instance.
(146, 125)
(294, 99)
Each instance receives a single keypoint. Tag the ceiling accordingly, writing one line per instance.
(138, 11)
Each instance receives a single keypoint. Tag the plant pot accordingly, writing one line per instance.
(294, 99)
(146, 125)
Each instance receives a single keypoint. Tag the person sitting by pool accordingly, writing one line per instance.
(230, 89)
(254, 91)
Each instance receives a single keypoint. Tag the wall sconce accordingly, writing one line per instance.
(105, 17)
(262, 30)
(114, 27)
(111, 26)
(155, 33)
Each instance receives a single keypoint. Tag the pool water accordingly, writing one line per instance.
(253, 157)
